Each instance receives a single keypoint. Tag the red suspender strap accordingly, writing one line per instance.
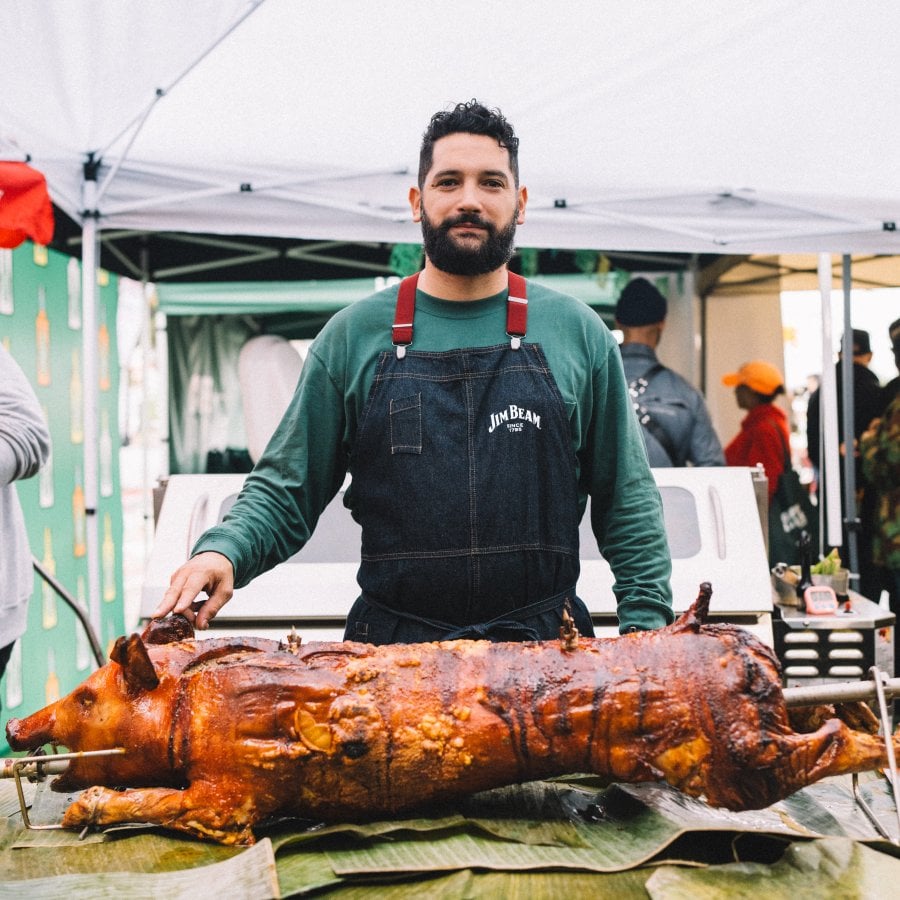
(517, 309)
(402, 331)
(516, 312)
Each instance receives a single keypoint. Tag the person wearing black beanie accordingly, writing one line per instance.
(675, 423)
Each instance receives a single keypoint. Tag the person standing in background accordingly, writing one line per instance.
(24, 448)
(880, 455)
(892, 388)
(869, 400)
(868, 397)
(675, 423)
(764, 436)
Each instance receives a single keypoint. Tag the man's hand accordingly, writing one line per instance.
(208, 572)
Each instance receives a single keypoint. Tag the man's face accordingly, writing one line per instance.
(469, 205)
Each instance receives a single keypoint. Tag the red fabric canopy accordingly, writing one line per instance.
(25, 207)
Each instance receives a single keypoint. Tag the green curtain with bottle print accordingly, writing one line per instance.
(41, 327)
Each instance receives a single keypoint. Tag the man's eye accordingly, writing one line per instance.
(446, 182)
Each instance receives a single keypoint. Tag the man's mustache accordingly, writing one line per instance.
(467, 219)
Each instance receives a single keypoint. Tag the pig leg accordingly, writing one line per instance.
(793, 761)
(835, 749)
(200, 810)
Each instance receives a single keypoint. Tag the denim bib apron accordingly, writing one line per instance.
(465, 486)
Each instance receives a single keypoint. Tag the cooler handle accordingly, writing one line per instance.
(718, 520)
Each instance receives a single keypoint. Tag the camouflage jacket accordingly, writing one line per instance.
(880, 452)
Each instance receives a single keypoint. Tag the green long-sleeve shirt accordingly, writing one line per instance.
(306, 460)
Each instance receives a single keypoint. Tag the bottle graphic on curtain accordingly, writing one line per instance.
(79, 518)
(7, 301)
(82, 647)
(76, 400)
(51, 686)
(103, 352)
(73, 286)
(48, 595)
(45, 477)
(106, 479)
(42, 339)
(14, 694)
(108, 560)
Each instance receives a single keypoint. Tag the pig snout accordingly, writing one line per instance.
(31, 732)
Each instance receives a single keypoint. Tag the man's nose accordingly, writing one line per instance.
(470, 196)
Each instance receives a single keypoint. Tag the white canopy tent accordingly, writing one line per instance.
(686, 125)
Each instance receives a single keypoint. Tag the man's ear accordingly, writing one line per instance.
(521, 202)
(415, 204)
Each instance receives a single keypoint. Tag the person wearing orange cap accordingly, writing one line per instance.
(764, 433)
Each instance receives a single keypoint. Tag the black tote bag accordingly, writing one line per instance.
(791, 512)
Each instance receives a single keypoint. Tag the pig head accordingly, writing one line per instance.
(123, 704)
(137, 701)
(163, 698)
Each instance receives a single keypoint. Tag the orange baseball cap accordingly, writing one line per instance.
(758, 375)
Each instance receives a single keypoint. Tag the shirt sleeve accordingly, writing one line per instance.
(626, 509)
(24, 435)
(299, 473)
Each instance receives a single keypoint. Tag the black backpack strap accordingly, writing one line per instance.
(637, 387)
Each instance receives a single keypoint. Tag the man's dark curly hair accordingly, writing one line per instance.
(469, 118)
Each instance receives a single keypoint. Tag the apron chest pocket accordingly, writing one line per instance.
(406, 424)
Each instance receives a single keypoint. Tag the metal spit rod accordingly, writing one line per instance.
(36, 768)
(841, 692)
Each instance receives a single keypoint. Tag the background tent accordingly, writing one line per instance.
(683, 127)
(679, 126)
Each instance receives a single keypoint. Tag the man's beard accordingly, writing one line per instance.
(447, 255)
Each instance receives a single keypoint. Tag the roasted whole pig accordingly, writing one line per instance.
(223, 733)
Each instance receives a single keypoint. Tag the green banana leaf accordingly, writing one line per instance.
(537, 840)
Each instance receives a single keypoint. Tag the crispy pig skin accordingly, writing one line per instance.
(223, 733)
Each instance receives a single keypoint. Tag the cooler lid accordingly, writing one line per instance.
(712, 523)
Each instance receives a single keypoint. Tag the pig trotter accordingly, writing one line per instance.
(185, 811)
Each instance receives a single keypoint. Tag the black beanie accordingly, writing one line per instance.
(640, 303)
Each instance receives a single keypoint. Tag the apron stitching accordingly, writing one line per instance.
(475, 568)
(465, 551)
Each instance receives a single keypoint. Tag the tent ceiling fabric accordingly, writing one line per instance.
(644, 127)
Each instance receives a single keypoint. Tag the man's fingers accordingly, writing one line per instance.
(219, 594)
(182, 591)
(207, 573)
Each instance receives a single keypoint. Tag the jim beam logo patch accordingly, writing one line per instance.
(513, 418)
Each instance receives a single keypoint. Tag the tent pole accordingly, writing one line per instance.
(829, 459)
(146, 350)
(851, 519)
(89, 253)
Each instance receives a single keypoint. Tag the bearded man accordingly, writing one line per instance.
(475, 412)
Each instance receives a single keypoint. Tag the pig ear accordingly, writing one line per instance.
(137, 667)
